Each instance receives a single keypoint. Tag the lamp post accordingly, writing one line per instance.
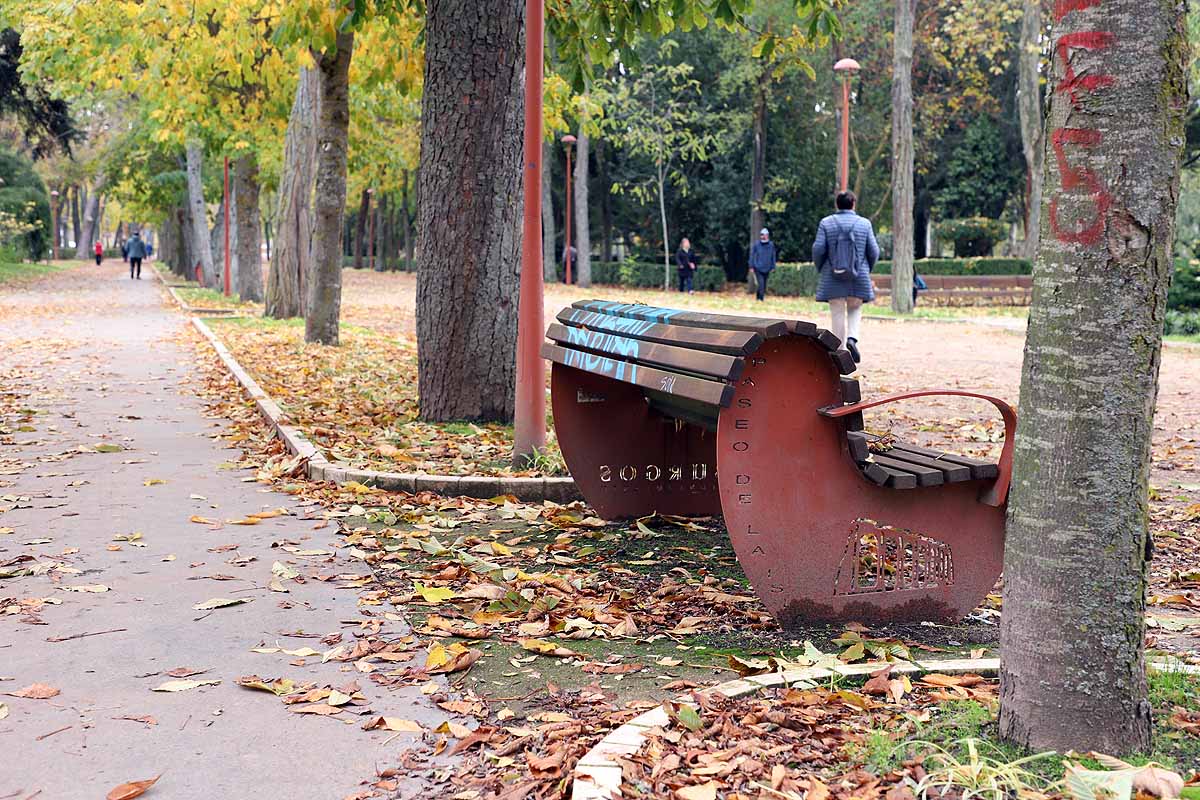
(54, 223)
(846, 69)
(529, 429)
(228, 288)
(569, 142)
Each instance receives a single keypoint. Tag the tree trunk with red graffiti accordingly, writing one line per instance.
(1072, 674)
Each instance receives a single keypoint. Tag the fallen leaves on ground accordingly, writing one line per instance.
(128, 791)
(36, 691)
(221, 602)
(183, 686)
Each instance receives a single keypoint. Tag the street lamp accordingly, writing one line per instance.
(569, 142)
(54, 223)
(846, 69)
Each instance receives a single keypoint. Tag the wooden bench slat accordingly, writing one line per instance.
(979, 469)
(676, 359)
(860, 451)
(926, 476)
(896, 479)
(734, 343)
(851, 391)
(714, 393)
(685, 409)
(879, 475)
(951, 472)
(769, 328)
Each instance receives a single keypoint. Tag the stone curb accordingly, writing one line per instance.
(597, 776)
(317, 467)
(184, 307)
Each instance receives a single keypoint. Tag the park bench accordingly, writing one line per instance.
(965, 290)
(759, 420)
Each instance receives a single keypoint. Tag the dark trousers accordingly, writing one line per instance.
(685, 280)
(98, 259)
(135, 267)
(761, 277)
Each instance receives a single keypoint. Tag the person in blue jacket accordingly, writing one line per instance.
(844, 253)
(762, 260)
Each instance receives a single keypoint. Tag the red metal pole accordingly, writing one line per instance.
(844, 166)
(567, 220)
(226, 227)
(529, 434)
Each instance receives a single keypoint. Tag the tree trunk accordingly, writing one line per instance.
(902, 157)
(89, 231)
(191, 253)
(470, 242)
(179, 253)
(199, 214)
(292, 259)
(249, 244)
(406, 219)
(266, 227)
(549, 234)
(1029, 106)
(582, 231)
(333, 126)
(75, 216)
(216, 241)
(1072, 675)
(364, 208)
(758, 165)
(606, 238)
(662, 211)
(381, 234)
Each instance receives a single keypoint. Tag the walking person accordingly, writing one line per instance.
(99, 251)
(762, 260)
(137, 251)
(685, 260)
(844, 253)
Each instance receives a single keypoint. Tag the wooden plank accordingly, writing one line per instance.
(851, 391)
(734, 343)
(675, 407)
(926, 476)
(979, 469)
(878, 475)
(676, 359)
(898, 479)
(714, 393)
(859, 449)
(951, 473)
(769, 328)
(843, 361)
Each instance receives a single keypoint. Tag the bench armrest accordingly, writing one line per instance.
(998, 493)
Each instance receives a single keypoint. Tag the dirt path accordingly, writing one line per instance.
(105, 455)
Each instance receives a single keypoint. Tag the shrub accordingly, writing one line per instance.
(973, 236)
(1185, 286)
(793, 280)
(964, 266)
(1182, 323)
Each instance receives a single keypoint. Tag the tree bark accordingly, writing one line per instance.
(249, 243)
(199, 213)
(89, 233)
(470, 241)
(758, 167)
(606, 227)
(902, 157)
(662, 211)
(1072, 674)
(364, 208)
(549, 233)
(582, 231)
(75, 216)
(1029, 107)
(407, 220)
(292, 259)
(381, 234)
(333, 127)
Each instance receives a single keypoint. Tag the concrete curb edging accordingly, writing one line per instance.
(183, 306)
(598, 775)
(317, 467)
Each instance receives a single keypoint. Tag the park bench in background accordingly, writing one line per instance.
(967, 290)
(680, 412)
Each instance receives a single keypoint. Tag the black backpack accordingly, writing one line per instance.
(843, 255)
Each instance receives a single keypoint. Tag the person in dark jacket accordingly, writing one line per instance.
(137, 251)
(762, 260)
(845, 286)
(685, 261)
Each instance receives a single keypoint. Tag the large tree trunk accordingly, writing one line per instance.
(606, 227)
(364, 209)
(199, 214)
(1072, 675)
(75, 230)
(292, 259)
(1029, 106)
(470, 242)
(549, 234)
(902, 157)
(406, 218)
(191, 253)
(89, 230)
(583, 234)
(758, 166)
(179, 253)
(324, 306)
(249, 244)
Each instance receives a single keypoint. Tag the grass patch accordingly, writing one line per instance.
(13, 273)
(211, 298)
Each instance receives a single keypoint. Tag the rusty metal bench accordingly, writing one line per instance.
(755, 419)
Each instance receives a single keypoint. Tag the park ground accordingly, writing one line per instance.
(175, 600)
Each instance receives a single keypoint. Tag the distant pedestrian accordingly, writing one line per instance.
(685, 261)
(762, 260)
(844, 253)
(136, 249)
(99, 250)
(571, 255)
(149, 250)
(125, 250)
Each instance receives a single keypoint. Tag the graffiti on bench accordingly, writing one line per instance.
(607, 342)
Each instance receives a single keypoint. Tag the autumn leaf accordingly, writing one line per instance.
(128, 791)
(700, 791)
(454, 658)
(394, 724)
(547, 648)
(278, 686)
(183, 686)
(433, 594)
(220, 602)
(321, 709)
(35, 691)
(3, 710)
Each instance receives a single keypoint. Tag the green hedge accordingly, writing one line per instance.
(1182, 323)
(964, 266)
(646, 275)
(793, 280)
(1185, 286)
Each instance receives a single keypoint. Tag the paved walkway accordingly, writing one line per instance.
(99, 358)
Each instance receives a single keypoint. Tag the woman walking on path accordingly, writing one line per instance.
(844, 253)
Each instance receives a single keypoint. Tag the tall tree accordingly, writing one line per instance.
(549, 235)
(89, 230)
(292, 256)
(249, 232)
(470, 241)
(582, 231)
(324, 302)
(902, 156)
(1072, 671)
(1029, 107)
(199, 213)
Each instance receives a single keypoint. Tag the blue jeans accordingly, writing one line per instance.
(761, 277)
(685, 280)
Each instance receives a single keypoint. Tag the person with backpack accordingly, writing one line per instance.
(762, 260)
(844, 253)
(137, 251)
